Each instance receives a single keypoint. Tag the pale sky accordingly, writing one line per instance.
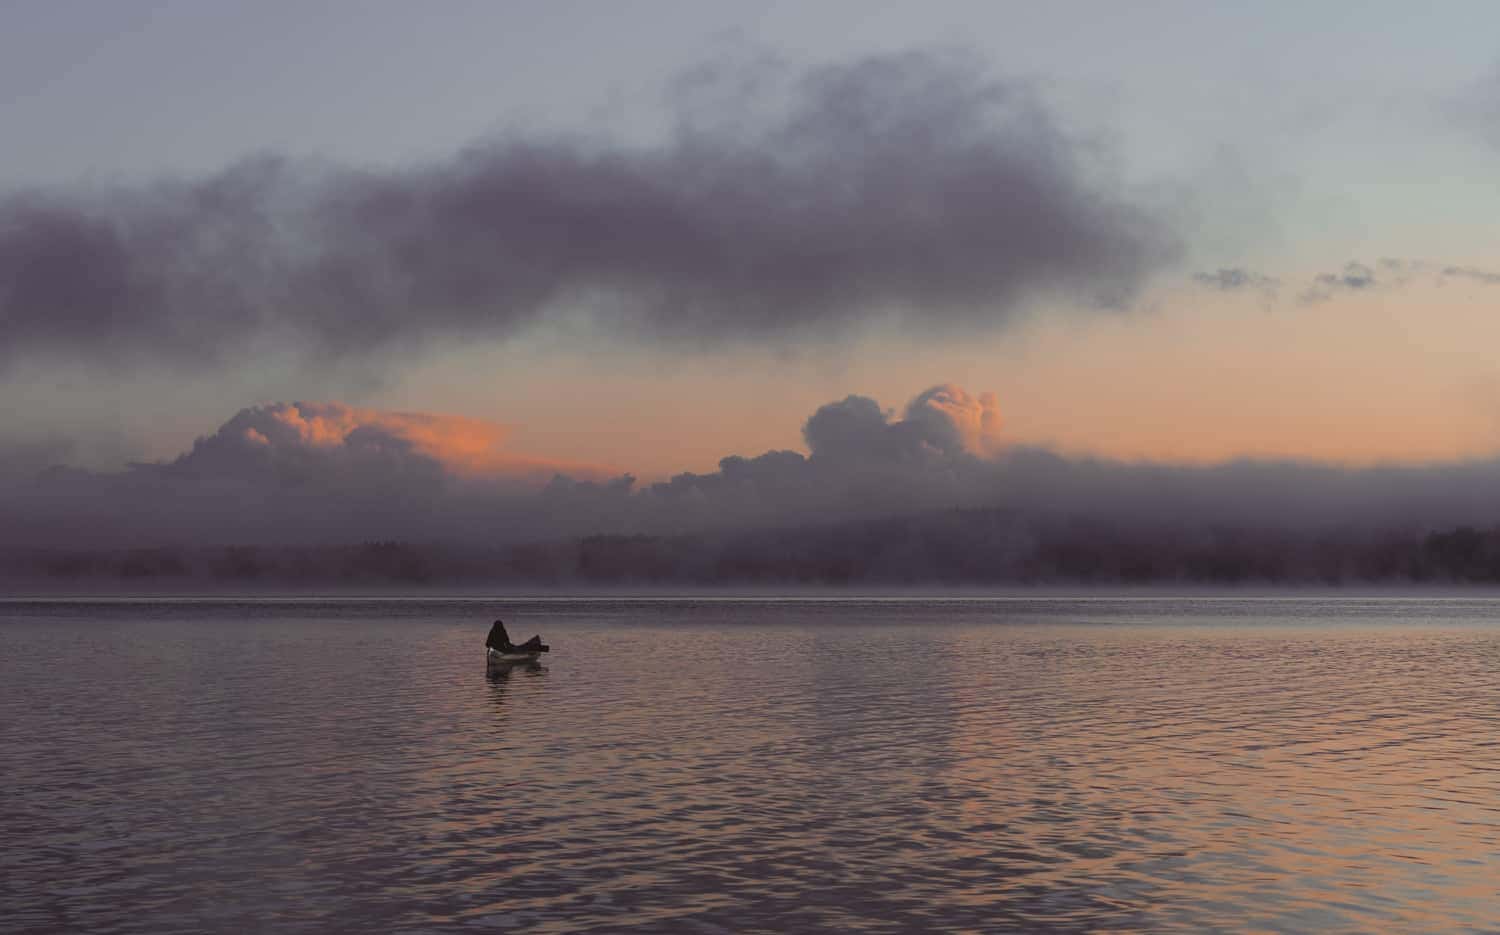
(1283, 139)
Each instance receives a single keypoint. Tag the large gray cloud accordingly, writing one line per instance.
(908, 186)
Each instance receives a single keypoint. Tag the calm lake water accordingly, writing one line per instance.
(751, 765)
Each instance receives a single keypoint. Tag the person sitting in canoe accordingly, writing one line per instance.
(499, 641)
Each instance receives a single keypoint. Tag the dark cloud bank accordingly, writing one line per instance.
(908, 187)
(926, 496)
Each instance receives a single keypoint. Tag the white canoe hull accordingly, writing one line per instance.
(495, 657)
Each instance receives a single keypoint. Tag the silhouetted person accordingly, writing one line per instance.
(500, 640)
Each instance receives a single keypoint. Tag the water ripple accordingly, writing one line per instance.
(717, 766)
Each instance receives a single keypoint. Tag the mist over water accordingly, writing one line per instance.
(736, 764)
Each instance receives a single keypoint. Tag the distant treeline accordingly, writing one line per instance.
(961, 547)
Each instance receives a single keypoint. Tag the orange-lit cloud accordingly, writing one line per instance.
(302, 432)
(974, 420)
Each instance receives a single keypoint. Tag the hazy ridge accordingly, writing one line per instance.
(952, 547)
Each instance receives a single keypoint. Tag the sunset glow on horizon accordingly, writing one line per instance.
(1120, 271)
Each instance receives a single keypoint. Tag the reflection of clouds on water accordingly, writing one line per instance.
(914, 753)
(904, 731)
(780, 765)
(241, 746)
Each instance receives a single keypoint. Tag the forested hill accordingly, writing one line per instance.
(961, 547)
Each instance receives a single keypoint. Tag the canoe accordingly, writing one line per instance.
(495, 657)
